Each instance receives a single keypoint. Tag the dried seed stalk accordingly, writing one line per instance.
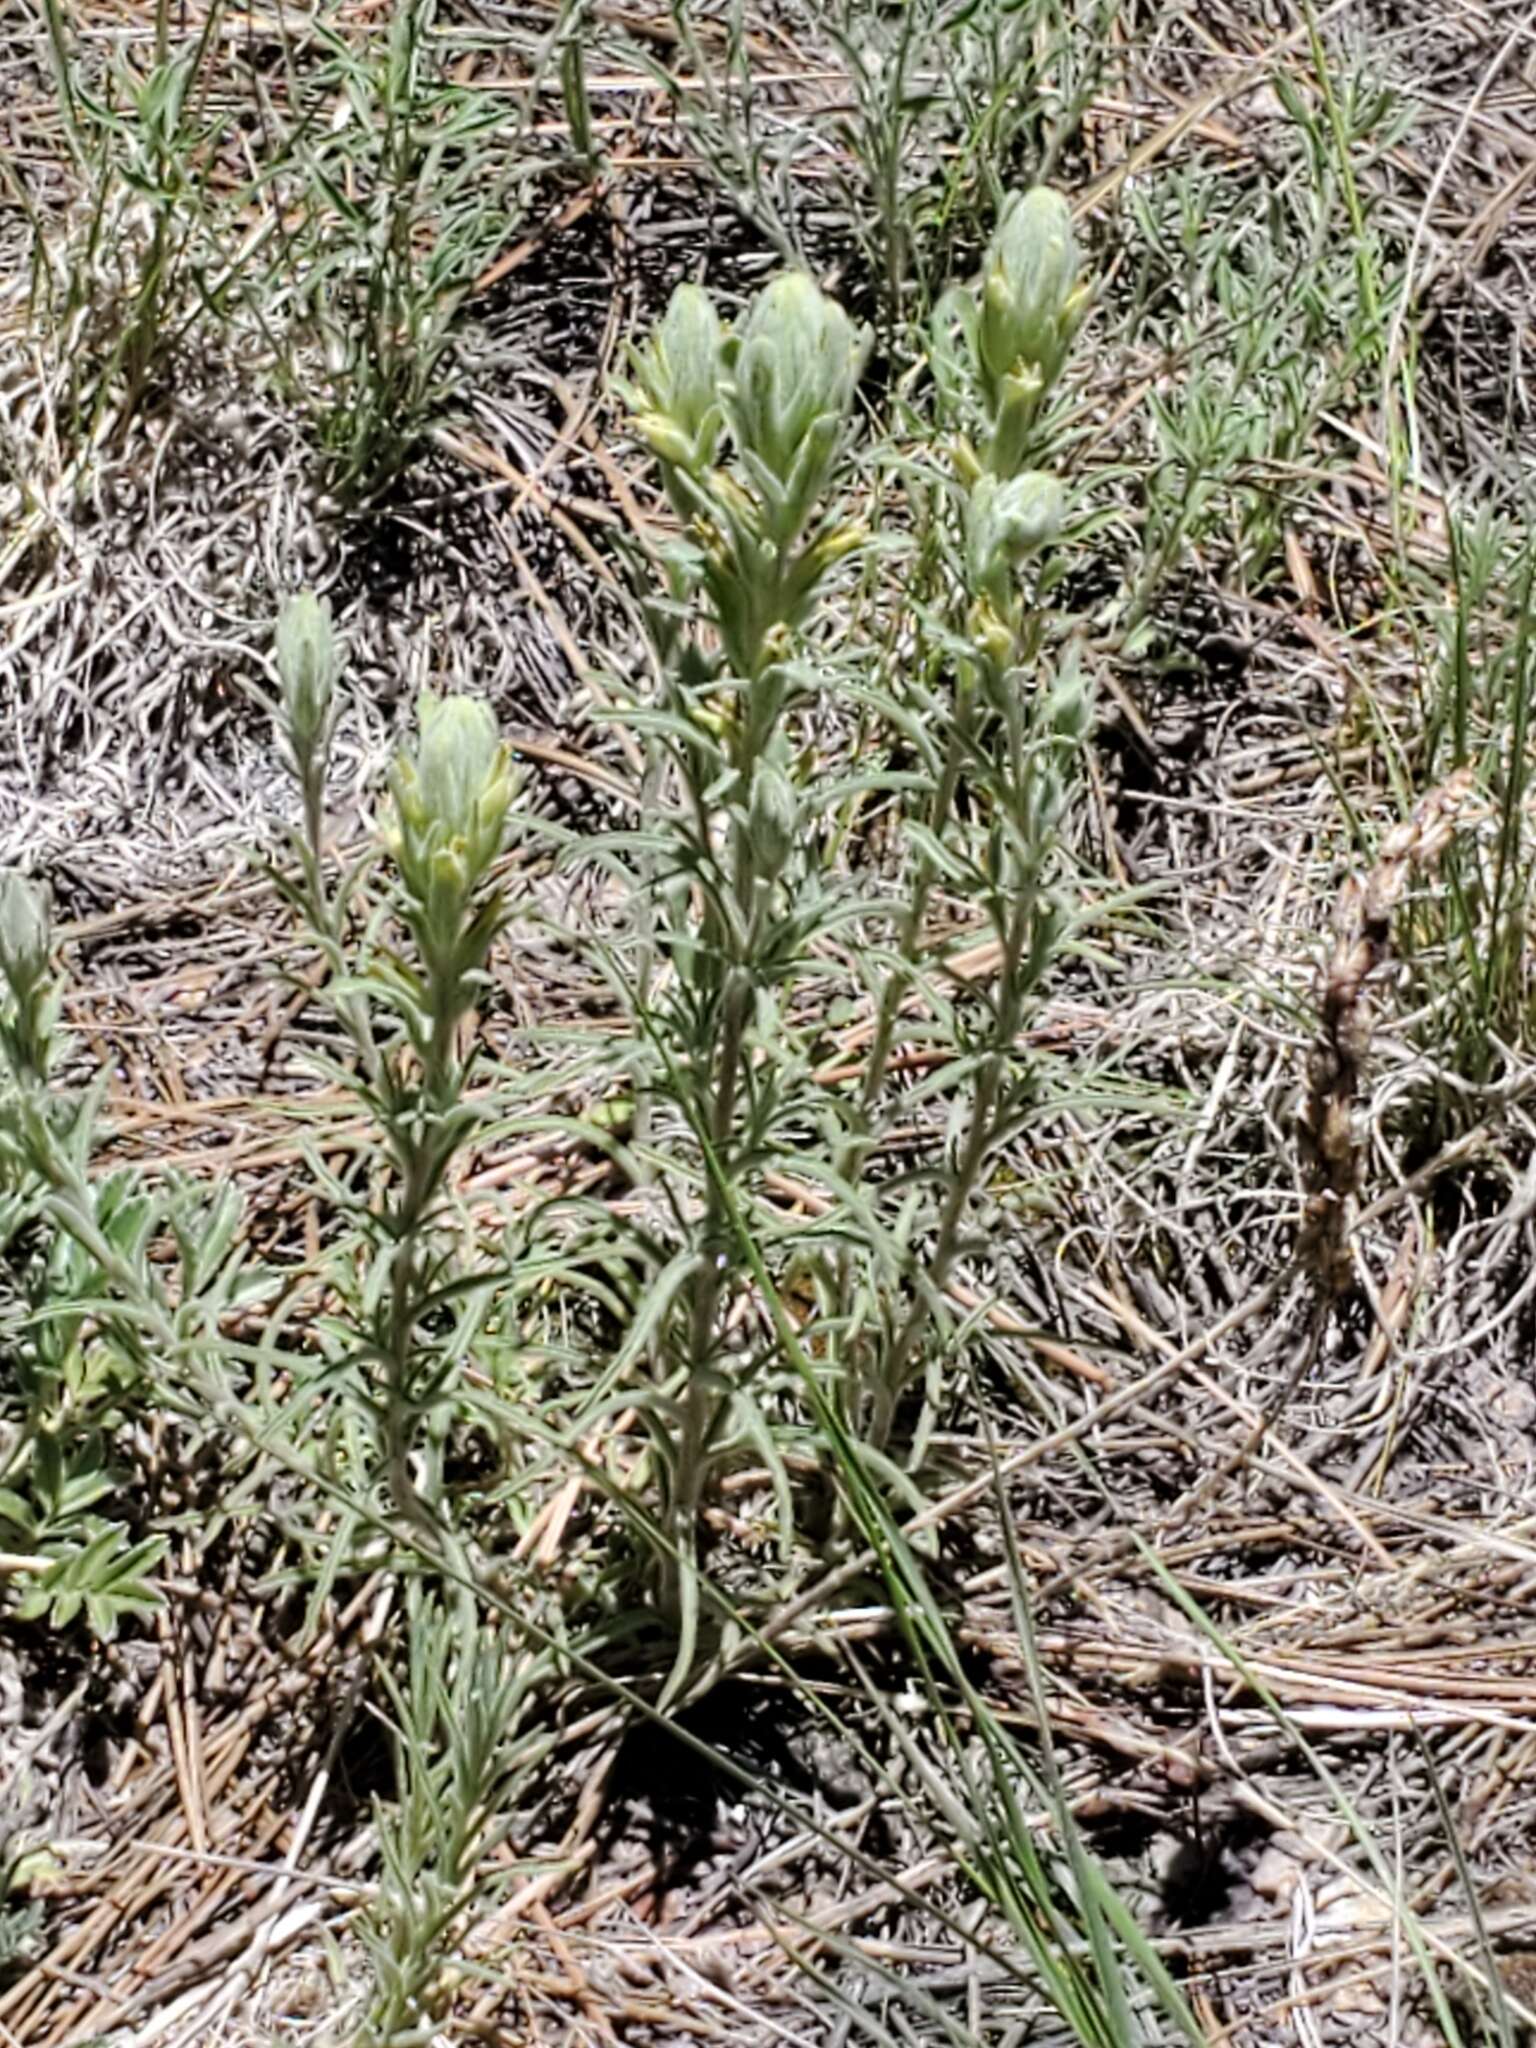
(1328, 1137)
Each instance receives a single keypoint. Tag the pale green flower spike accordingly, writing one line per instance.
(307, 664)
(758, 540)
(1032, 304)
(793, 367)
(773, 818)
(1006, 523)
(676, 394)
(24, 933)
(451, 802)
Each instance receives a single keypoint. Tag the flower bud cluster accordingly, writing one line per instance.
(451, 804)
(1031, 305)
(1014, 334)
(779, 387)
(307, 662)
(675, 397)
(1006, 523)
(792, 368)
(25, 942)
(24, 934)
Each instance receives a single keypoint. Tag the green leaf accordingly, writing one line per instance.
(106, 1576)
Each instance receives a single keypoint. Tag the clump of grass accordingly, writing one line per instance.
(1271, 324)
(151, 245)
(941, 111)
(324, 237)
(398, 207)
(1468, 941)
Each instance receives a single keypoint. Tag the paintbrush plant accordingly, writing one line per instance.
(742, 905)
(1001, 712)
(749, 425)
(119, 1290)
(406, 1011)
(999, 348)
